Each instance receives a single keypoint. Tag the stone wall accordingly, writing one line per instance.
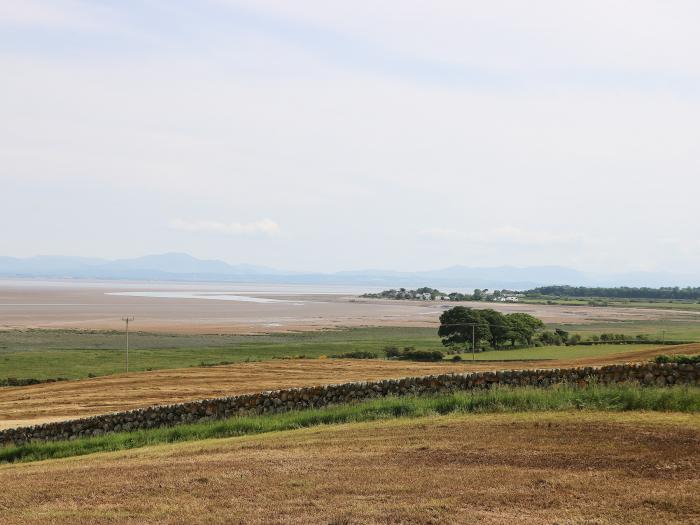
(652, 374)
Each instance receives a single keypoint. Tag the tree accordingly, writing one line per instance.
(459, 323)
(550, 338)
(498, 326)
(574, 340)
(523, 327)
(563, 334)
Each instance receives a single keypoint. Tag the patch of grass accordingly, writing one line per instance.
(502, 399)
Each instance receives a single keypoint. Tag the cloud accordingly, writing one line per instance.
(264, 227)
(502, 234)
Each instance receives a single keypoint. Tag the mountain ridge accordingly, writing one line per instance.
(178, 266)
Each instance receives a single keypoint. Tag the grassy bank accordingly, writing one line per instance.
(609, 398)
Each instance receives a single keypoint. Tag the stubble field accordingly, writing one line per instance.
(583, 467)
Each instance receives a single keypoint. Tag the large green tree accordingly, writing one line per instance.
(523, 327)
(459, 324)
(498, 326)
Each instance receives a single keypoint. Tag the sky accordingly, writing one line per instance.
(321, 135)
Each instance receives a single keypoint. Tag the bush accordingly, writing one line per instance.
(550, 338)
(574, 340)
(13, 381)
(411, 354)
(422, 355)
(392, 351)
(457, 358)
(680, 359)
(356, 355)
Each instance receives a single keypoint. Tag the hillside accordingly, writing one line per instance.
(584, 467)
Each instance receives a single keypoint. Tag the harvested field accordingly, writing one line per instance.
(22, 406)
(583, 467)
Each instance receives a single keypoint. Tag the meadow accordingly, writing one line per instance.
(608, 302)
(71, 354)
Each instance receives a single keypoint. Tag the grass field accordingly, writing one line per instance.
(537, 468)
(610, 398)
(43, 354)
(626, 303)
(70, 354)
(670, 330)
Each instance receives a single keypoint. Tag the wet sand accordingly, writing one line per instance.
(92, 306)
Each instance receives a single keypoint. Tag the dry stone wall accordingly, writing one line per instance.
(651, 374)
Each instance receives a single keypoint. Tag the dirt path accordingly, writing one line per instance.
(538, 468)
(36, 404)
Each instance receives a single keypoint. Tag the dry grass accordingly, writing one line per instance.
(511, 468)
(64, 400)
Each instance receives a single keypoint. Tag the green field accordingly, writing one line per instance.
(525, 399)
(43, 354)
(670, 330)
(70, 354)
(693, 306)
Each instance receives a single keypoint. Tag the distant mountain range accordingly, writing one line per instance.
(184, 267)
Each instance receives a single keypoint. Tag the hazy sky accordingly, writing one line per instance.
(324, 135)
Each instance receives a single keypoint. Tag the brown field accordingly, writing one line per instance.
(22, 406)
(86, 305)
(584, 467)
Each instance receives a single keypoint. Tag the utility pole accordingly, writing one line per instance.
(127, 320)
(473, 342)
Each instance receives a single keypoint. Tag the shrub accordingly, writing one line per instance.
(422, 355)
(457, 358)
(680, 359)
(574, 340)
(356, 355)
(392, 351)
(13, 381)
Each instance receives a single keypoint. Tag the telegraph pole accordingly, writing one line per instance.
(473, 342)
(127, 320)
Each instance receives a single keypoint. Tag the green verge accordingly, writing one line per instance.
(606, 398)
